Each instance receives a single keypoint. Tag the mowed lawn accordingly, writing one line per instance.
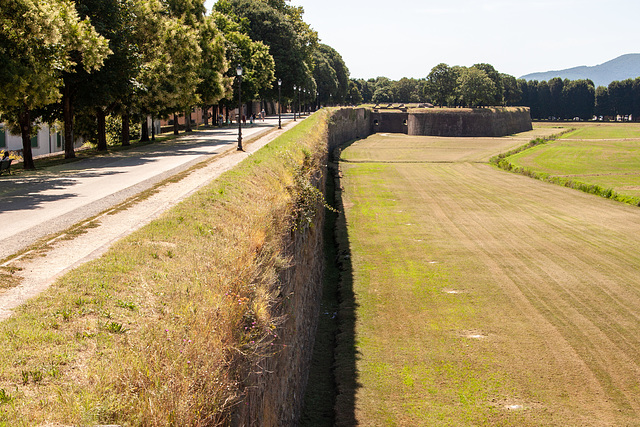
(484, 297)
(604, 154)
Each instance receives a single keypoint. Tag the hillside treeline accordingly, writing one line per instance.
(80, 62)
(483, 85)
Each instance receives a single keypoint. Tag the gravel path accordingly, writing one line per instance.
(40, 267)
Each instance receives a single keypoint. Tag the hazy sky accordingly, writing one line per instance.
(406, 38)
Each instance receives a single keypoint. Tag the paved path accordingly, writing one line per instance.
(52, 200)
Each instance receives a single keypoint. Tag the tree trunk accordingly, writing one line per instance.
(67, 114)
(144, 136)
(153, 129)
(176, 129)
(187, 121)
(205, 114)
(25, 130)
(101, 118)
(126, 119)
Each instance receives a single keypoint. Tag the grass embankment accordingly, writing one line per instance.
(597, 158)
(481, 297)
(164, 328)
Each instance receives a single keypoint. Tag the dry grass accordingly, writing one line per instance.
(163, 328)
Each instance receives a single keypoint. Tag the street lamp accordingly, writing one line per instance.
(279, 105)
(317, 100)
(299, 109)
(239, 73)
(294, 102)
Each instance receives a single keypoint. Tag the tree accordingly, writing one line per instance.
(258, 64)
(475, 88)
(290, 40)
(603, 105)
(38, 41)
(330, 74)
(512, 93)
(579, 96)
(441, 84)
(620, 95)
(556, 104)
(495, 97)
(406, 90)
(544, 100)
(383, 91)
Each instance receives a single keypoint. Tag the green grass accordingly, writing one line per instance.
(462, 284)
(601, 161)
(411, 368)
(605, 131)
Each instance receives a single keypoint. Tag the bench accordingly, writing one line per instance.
(5, 165)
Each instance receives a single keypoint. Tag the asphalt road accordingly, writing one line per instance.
(52, 200)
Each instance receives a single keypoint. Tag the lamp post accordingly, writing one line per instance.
(239, 73)
(299, 110)
(294, 102)
(317, 100)
(279, 105)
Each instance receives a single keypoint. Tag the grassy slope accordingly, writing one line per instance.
(156, 331)
(541, 329)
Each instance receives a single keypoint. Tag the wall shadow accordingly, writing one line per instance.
(333, 380)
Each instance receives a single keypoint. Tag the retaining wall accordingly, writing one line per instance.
(275, 386)
(468, 122)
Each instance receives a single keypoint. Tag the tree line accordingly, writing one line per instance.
(78, 62)
(483, 85)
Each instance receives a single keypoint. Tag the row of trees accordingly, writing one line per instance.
(78, 61)
(482, 84)
(473, 86)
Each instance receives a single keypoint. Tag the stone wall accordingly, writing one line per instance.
(275, 386)
(348, 124)
(466, 122)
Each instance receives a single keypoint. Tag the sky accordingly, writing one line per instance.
(407, 38)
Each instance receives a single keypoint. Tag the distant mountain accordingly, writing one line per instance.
(622, 68)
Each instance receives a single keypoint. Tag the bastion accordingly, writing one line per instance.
(453, 122)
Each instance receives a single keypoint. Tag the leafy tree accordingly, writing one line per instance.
(635, 94)
(354, 93)
(544, 100)
(579, 96)
(556, 103)
(39, 40)
(603, 105)
(512, 93)
(620, 95)
(383, 91)
(331, 74)
(441, 84)
(495, 97)
(406, 90)
(366, 88)
(290, 40)
(475, 88)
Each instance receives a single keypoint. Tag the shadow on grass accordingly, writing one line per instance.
(333, 381)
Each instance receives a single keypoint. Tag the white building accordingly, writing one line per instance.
(48, 140)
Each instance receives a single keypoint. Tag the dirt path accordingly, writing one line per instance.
(533, 296)
(38, 269)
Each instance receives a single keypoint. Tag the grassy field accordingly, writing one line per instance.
(482, 297)
(601, 154)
